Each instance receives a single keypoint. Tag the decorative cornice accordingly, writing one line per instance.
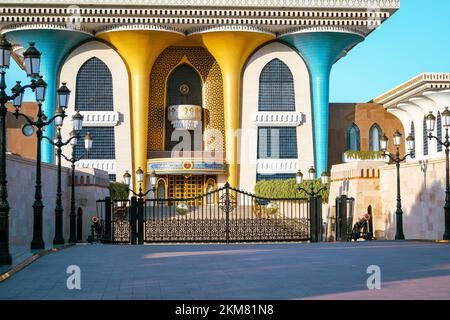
(414, 87)
(273, 16)
(351, 30)
(350, 4)
(245, 28)
(51, 26)
(139, 27)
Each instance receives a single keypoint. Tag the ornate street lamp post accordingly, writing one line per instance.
(315, 201)
(140, 203)
(431, 124)
(88, 141)
(399, 235)
(140, 179)
(59, 143)
(32, 65)
(311, 178)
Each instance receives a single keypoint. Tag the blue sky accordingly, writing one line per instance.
(414, 40)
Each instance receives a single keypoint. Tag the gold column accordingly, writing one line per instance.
(140, 48)
(231, 49)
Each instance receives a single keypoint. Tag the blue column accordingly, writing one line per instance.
(54, 44)
(320, 51)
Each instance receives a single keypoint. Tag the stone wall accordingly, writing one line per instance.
(21, 181)
(358, 180)
(423, 198)
(373, 184)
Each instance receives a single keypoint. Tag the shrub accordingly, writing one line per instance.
(118, 191)
(364, 155)
(287, 189)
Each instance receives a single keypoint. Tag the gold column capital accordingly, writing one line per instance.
(140, 48)
(232, 49)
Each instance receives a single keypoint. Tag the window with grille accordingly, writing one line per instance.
(439, 131)
(103, 146)
(375, 138)
(112, 177)
(353, 138)
(94, 87)
(425, 137)
(413, 134)
(276, 88)
(278, 176)
(277, 143)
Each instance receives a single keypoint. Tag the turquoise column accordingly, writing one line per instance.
(320, 51)
(54, 44)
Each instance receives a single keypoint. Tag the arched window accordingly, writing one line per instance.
(425, 137)
(375, 138)
(94, 90)
(353, 138)
(210, 186)
(276, 87)
(161, 192)
(413, 134)
(439, 131)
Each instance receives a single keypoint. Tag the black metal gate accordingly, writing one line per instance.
(116, 219)
(344, 217)
(225, 215)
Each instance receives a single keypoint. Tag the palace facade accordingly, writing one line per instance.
(242, 85)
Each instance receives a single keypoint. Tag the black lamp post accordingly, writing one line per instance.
(5, 55)
(399, 235)
(431, 124)
(88, 141)
(140, 203)
(315, 202)
(59, 143)
(311, 178)
(140, 179)
(32, 64)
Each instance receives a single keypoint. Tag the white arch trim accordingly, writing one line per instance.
(249, 110)
(121, 95)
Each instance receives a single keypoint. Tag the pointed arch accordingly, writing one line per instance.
(413, 134)
(375, 134)
(276, 87)
(425, 138)
(94, 88)
(439, 131)
(353, 138)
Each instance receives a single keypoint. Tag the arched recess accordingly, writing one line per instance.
(207, 67)
(250, 104)
(187, 77)
(119, 118)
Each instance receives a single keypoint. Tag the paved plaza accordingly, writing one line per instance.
(409, 270)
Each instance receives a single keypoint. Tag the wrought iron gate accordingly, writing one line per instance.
(344, 217)
(115, 219)
(225, 215)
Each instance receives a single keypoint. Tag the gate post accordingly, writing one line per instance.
(315, 204)
(133, 217)
(140, 221)
(227, 211)
(107, 235)
(342, 219)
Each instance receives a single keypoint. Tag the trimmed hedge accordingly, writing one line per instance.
(364, 155)
(118, 191)
(287, 189)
